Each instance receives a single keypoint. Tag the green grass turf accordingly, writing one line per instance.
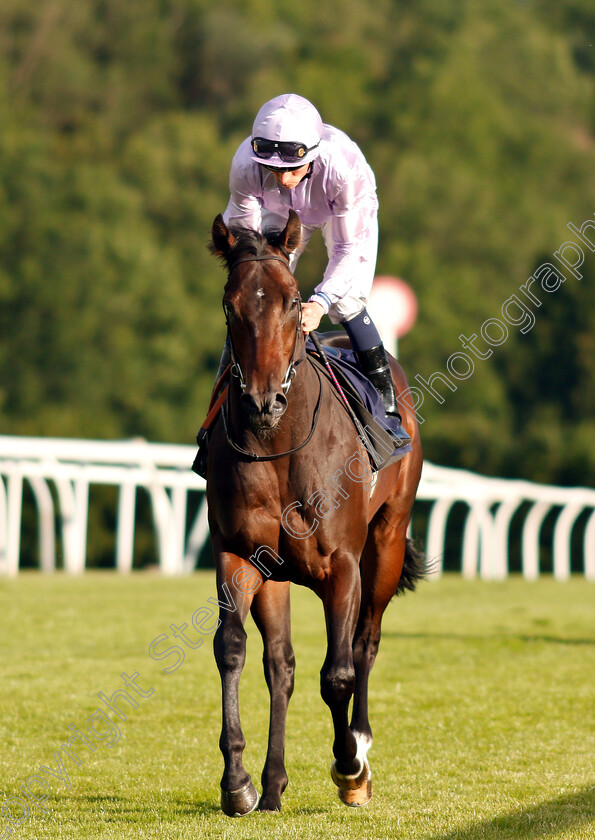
(481, 706)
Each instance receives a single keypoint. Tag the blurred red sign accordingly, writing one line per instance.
(392, 305)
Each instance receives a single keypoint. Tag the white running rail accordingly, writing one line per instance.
(70, 467)
(492, 503)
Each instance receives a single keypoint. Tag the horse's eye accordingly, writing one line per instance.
(294, 303)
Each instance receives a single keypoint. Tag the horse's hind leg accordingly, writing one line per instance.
(381, 567)
(271, 613)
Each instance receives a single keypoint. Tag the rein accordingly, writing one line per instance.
(236, 371)
(252, 455)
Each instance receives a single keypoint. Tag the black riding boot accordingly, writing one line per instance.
(200, 462)
(374, 364)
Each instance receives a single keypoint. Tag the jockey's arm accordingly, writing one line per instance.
(245, 206)
(351, 243)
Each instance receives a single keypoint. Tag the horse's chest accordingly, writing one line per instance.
(248, 512)
(306, 510)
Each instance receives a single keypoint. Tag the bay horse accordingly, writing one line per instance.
(282, 437)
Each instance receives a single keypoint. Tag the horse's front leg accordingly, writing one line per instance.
(238, 795)
(341, 598)
(271, 613)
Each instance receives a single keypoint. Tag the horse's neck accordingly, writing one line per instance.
(303, 395)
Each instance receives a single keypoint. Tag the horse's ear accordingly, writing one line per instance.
(222, 240)
(292, 235)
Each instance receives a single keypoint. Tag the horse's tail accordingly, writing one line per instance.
(414, 568)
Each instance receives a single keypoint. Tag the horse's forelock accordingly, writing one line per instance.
(253, 243)
(248, 242)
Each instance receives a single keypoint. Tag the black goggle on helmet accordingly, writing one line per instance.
(288, 152)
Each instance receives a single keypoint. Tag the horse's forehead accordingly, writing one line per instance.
(260, 279)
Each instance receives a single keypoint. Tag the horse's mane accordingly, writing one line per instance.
(248, 242)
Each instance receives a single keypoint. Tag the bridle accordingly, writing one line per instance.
(236, 371)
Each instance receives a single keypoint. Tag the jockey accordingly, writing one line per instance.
(293, 160)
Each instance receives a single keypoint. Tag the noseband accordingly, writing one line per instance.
(236, 369)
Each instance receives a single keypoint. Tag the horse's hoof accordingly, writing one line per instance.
(270, 803)
(238, 803)
(354, 790)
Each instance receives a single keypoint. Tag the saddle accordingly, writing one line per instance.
(378, 433)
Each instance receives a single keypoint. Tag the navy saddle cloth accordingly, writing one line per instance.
(356, 385)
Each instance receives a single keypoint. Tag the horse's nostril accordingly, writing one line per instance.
(248, 403)
(274, 405)
(279, 404)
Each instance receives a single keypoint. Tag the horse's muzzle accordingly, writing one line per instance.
(264, 410)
